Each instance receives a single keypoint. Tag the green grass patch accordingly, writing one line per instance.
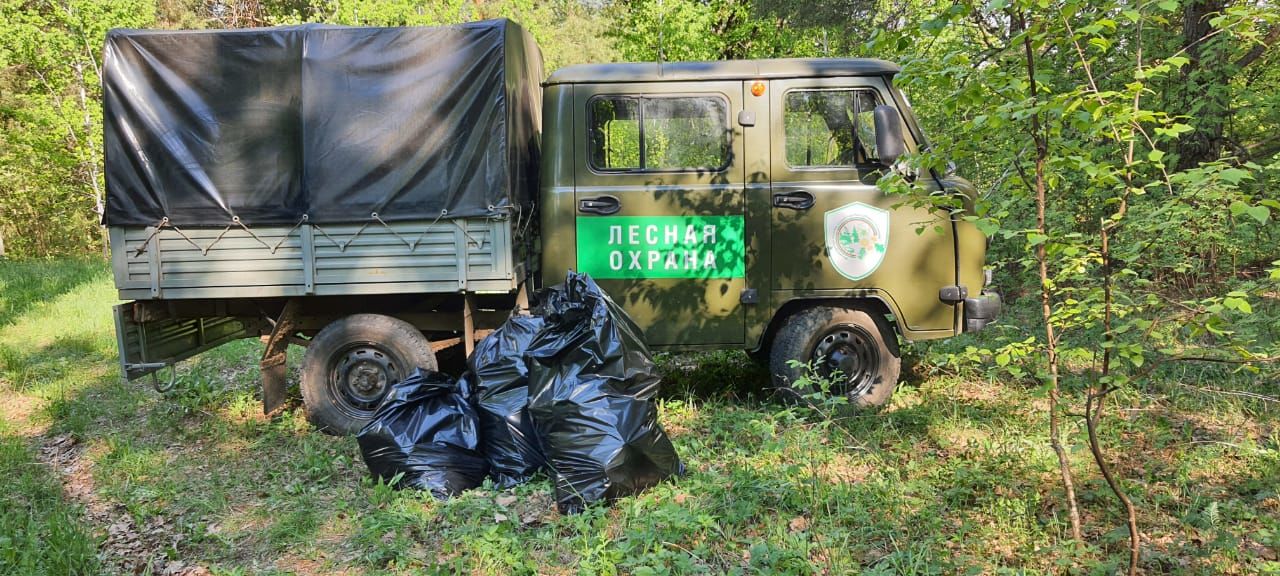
(40, 533)
(28, 283)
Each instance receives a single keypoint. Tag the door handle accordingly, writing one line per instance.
(798, 200)
(600, 205)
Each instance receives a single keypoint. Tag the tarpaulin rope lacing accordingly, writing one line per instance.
(204, 250)
(142, 248)
(522, 223)
(373, 217)
(496, 214)
(342, 245)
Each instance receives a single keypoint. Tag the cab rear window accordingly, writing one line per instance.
(634, 133)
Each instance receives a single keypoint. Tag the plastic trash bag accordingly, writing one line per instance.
(501, 381)
(591, 386)
(426, 429)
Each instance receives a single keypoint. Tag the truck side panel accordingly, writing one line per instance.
(556, 203)
(473, 255)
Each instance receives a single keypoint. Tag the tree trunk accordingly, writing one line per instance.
(1051, 342)
(1097, 396)
(92, 164)
(1206, 94)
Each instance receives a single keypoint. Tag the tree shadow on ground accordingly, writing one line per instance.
(717, 375)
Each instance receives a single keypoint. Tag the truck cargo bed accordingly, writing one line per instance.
(443, 256)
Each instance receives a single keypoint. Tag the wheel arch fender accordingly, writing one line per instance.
(877, 305)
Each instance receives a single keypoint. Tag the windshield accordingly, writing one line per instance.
(910, 115)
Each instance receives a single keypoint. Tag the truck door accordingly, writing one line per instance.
(832, 230)
(659, 205)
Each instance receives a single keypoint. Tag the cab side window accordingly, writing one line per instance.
(630, 133)
(830, 128)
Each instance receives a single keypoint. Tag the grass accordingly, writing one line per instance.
(954, 477)
(40, 533)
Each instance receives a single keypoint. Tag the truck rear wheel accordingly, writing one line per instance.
(857, 352)
(352, 363)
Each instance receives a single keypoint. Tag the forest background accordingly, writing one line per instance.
(1127, 154)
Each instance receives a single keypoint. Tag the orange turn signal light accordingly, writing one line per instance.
(757, 88)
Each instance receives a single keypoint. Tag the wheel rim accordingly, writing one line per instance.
(360, 375)
(851, 353)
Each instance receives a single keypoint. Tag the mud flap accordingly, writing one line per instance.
(273, 364)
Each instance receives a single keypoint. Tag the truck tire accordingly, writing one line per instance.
(859, 345)
(352, 363)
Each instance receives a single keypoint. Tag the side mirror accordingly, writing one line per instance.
(889, 143)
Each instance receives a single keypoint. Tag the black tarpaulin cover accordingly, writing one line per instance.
(427, 430)
(331, 122)
(591, 386)
(501, 380)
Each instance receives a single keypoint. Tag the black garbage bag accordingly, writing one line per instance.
(426, 429)
(501, 381)
(591, 386)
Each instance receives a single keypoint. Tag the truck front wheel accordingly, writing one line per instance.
(352, 363)
(854, 351)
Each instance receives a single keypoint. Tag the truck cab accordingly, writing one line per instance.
(735, 204)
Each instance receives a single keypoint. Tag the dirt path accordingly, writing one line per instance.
(125, 548)
(18, 408)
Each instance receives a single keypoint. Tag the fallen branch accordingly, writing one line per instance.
(1254, 360)
(1252, 395)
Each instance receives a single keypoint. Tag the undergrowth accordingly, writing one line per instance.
(954, 476)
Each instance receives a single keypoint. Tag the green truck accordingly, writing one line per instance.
(378, 195)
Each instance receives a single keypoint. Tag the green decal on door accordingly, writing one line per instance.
(661, 246)
(857, 239)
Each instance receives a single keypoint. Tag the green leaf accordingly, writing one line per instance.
(1234, 175)
(1155, 155)
(1036, 239)
(1168, 5)
(1002, 359)
(1237, 304)
(1259, 213)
